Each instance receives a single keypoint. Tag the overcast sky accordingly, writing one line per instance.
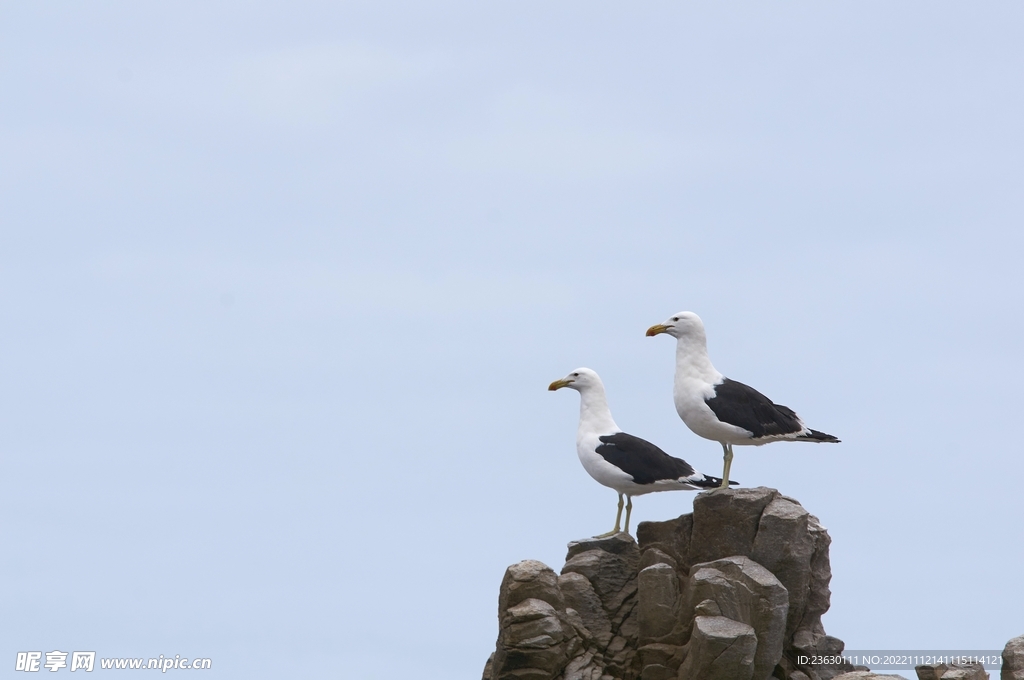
(282, 286)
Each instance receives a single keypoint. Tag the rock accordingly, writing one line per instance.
(867, 675)
(784, 547)
(618, 544)
(527, 579)
(743, 591)
(809, 634)
(535, 638)
(579, 594)
(660, 654)
(658, 613)
(534, 623)
(971, 671)
(653, 556)
(720, 649)
(621, 658)
(609, 571)
(610, 565)
(707, 608)
(671, 537)
(1013, 660)
(725, 522)
(570, 627)
(736, 589)
(774, 531)
(965, 674)
(656, 672)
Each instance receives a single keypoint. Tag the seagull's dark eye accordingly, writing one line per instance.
(675, 318)
(575, 375)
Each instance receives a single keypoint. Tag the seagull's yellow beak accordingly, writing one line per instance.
(559, 384)
(657, 329)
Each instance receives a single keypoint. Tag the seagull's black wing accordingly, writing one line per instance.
(743, 406)
(644, 461)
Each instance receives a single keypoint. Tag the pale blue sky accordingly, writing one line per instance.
(282, 286)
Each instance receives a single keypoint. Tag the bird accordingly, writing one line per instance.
(630, 465)
(724, 410)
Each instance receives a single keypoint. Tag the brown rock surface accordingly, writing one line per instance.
(1013, 660)
(734, 590)
(942, 671)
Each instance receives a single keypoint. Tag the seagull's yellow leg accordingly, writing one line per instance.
(618, 516)
(629, 509)
(728, 464)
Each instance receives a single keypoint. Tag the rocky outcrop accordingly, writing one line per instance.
(867, 675)
(580, 625)
(735, 591)
(740, 590)
(1013, 660)
(768, 540)
(536, 637)
(720, 649)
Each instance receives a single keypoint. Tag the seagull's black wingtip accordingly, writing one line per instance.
(816, 436)
(710, 482)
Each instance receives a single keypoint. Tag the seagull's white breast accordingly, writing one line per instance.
(691, 405)
(597, 467)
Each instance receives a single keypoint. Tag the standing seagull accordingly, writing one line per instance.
(721, 409)
(628, 464)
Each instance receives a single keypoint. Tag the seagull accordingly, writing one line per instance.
(628, 464)
(721, 409)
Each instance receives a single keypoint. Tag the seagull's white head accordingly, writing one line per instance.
(579, 380)
(680, 325)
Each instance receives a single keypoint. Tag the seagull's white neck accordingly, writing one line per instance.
(692, 360)
(594, 412)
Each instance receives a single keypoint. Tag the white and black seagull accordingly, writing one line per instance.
(721, 409)
(628, 464)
